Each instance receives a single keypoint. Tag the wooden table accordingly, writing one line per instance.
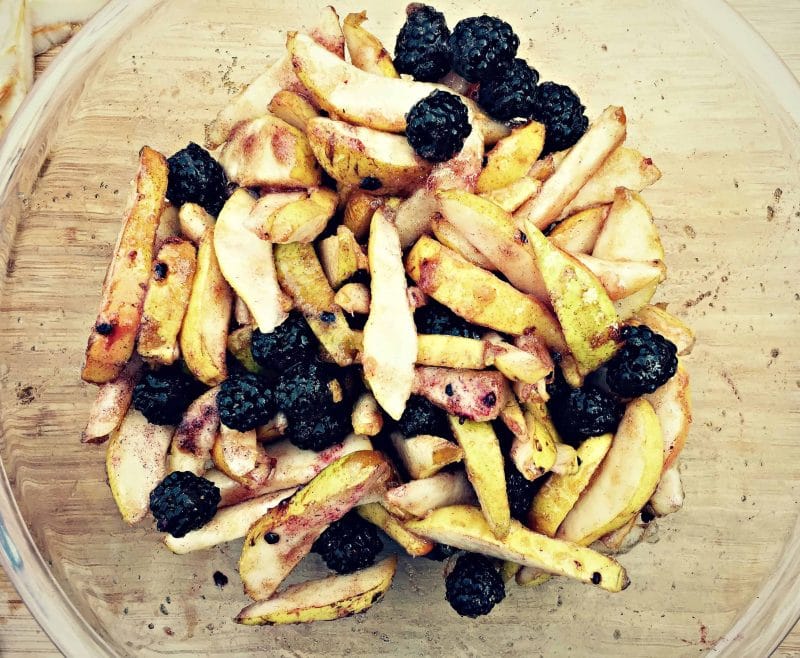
(777, 20)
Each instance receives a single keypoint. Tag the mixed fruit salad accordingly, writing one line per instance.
(404, 297)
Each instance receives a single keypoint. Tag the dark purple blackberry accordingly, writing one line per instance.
(579, 413)
(162, 395)
(422, 48)
(441, 552)
(436, 318)
(510, 93)
(561, 112)
(245, 402)
(349, 544)
(290, 343)
(423, 417)
(183, 502)
(474, 586)
(437, 126)
(646, 361)
(196, 177)
(310, 388)
(520, 493)
(482, 46)
(319, 431)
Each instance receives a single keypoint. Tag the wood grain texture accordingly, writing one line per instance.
(78, 201)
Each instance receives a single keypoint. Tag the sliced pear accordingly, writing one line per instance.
(168, 225)
(228, 524)
(420, 497)
(135, 460)
(268, 152)
(390, 337)
(112, 403)
(633, 303)
(341, 256)
(629, 232)
(534, 454)
(323, 600)
(126, 280)
(453, 239)
(193, 221)
(583, 307)
(298, 523)
(558, 496)
(578, 233)
(531, 577)
(365, 99)
(625, 480)
(476, 395)
(395, 528)
(668, 496)
(622, 278)
(462, 170)
(414, 216)
(517, 364)
(238, 455)
(292, 108)
(240, 343)
(358, 212)
(512, 196)
(566, 460)
(512, 157)
(672, 403)
(478, 295)
(16, 63)
(195, 435)
(352, 153)
(354, 298)
(366, 50)
(484, 464)
(204, 334)
(627, 537)
(425, 455)
(465, 527)
(451, 352)
(672, 328)
(367, 418)
(302, 220)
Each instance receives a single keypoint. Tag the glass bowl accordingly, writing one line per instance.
(706, 99)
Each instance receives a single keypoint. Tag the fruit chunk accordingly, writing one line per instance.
(292, 108)
(622, 278)
(511, 157)
(512, 196)
(366, 50)
(321, 600)
(301, 220)
(421, 496)
(112, 403)
(447, 351)
(193, 221)
(135, 463)
(624, 481)
(484, 464)
(672, 403)
(453, 239)
(195, 436)
(425, 455)
(341, 256)
(354, 298)
(534, 453)
(465, 527)
(629, 232)
(476, 395)
(238, 455)
(367, 418)
(578, 233)
(358, 212)
(395, 528)
(113, 336)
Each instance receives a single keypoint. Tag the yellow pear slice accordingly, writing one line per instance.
(418, 498)
(578, 233)
(377, 515)
(112, 403)
(672, 328)
(366, 51)
(622, 278)
(195, 435)
(512, 157)
(292, 108)
(512, 196)
(672, 403)
(629, 232)
(668, 496)
(425, 455)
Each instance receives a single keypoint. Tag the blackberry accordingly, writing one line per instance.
(245, 402)
(422, 48)
(309, 388)
(196, 177)
(520, 493)
(422, 417)
(349, 544)
(583, 412)
(183, 502)
(436, 318)
(561, 112)
(441, 552)
(162, 395)
(482, 46)
(474, 586)
(319, 431)
(510, 94)
(437, 126)
(645, 362)
(290, 343)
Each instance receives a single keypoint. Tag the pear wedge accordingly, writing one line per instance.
(672, 403)
(112, 403)
(623, 278)
(512, 157)
(629, 232)
(292, 108)
(195, 436)
(419, 498)
(425, 455)
(377, 515)
(472, 394)
(193, 220)
(367, 418)
(366, 51)
(578, 233)
(512, 196)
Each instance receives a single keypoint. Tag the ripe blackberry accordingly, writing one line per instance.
(579, 413)
(441, 552)
(349, 544)
(474, 586)
(162, 395)
(482, 46)
(319, 431)
(510, 93)
(437, 126)
(182, 502)
(436, 318)
(645, 362)
(196, 177)
(520, 493)
(290, 343)
(561, 112)
(422, 48)
(309, 388)
(245, 402)
(422, 417)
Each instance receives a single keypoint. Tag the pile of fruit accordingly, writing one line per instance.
(389, 303)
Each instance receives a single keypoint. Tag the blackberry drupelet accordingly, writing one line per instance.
(196, 177)
(349, 544)
(583, 412)
(441, 552)
(436, 318)
(511, 92)
(422, 48)
(482, 46)
(474, 586)
(162, 395)
(309, 388)
(561, 111)
(437, 126)
(183, 502)
(646, 361)
(245, 402)
(423, 417)
(290, 343)
(520, 493)
(319, 431)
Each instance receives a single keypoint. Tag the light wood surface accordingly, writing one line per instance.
(777, 20)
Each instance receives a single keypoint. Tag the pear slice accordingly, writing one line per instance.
(425, 455)
(484, 464)
(666, 324)
(238, 455)
(367, 418)
(668, 496)
(112, 403)
(629, 232)
(534, 453)
(517, 364)
(195, 436)
(672, 403)
(341, 256)
(512, 157)
(354, 298)
(323, 600)
(302, 220)
(578, 233)
(135, 459)
(419, 498)
(193, 221)
(625, 480)
(293, 526)
(476, 395)
(512, 196)
(583, 307)
(622, 278)
(633, 303)
(445, 351)
(465, 528)
(453, 239)
(292, 108)
(366, 51)
(412, 544)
